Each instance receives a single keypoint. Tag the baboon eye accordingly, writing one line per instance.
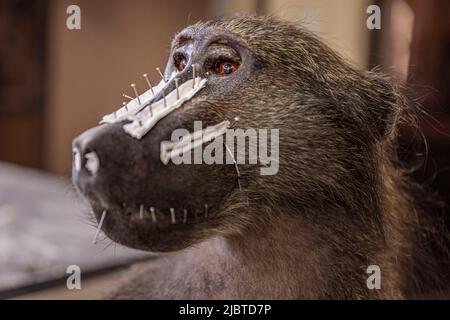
(180, 62)
(226, 67)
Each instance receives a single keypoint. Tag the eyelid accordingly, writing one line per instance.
(220, 57)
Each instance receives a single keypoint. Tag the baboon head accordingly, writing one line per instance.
(261, 73)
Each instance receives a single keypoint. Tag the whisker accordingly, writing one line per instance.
(94, 241)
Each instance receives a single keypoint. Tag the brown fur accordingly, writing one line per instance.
(340, 202)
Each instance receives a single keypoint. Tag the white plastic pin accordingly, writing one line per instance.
(77, 159)
(172, 215)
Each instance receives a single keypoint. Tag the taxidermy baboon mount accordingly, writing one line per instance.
(339, 203)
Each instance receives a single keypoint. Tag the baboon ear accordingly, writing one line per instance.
(382, 104)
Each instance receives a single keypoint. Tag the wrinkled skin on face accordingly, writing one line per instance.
(330, 118)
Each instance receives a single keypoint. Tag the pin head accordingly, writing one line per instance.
(160, 73)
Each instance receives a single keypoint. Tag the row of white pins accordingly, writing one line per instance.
(141, 216)
(136, 93)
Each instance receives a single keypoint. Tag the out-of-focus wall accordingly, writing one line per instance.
(88, 69)
(342, 24)
(221, 7)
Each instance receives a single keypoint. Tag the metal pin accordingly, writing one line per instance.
(136, 92)
(206, 210)
(150, 110)
(236, 119)
(127, 96)
(160, 73)
(172, 215)
(176, 85)
(94, 241)
(141, 212)
(164, 97)
(125, 105)
(148, 82)
(184, 216)
(115, 115)
(193, 76)
(140, 123)
(152, 212)
(235, 165)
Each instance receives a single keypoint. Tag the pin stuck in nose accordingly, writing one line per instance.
(76, 159)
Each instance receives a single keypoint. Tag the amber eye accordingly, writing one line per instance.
(225, 68)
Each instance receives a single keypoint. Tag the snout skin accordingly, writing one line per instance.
(120, 159)
(131, 176)
(130, 170)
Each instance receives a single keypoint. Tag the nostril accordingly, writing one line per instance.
(89, 160)
(87, 151)
(92, 162)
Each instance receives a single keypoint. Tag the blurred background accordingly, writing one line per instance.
(55, 83)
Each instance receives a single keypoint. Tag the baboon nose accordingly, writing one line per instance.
(85, 161)
(85, 153)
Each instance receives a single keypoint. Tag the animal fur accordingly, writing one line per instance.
(340, 202)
